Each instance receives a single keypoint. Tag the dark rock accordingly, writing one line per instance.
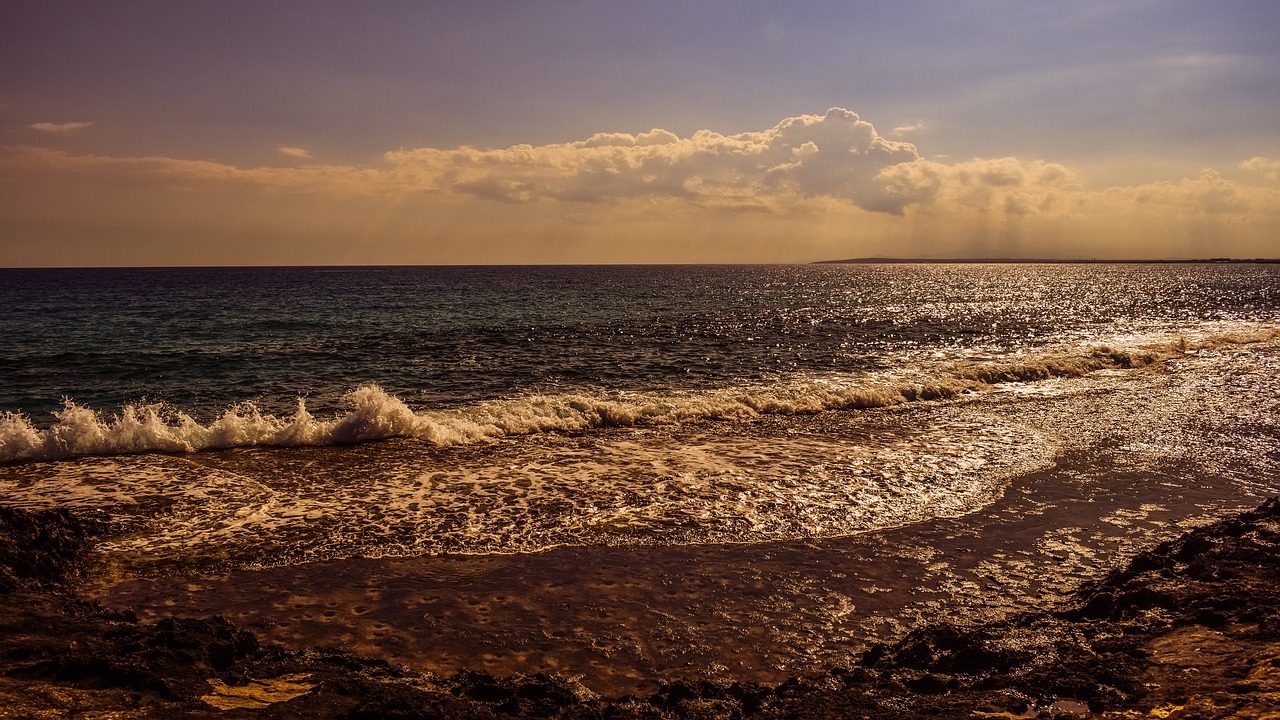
(929, 683)
(481, 686)
(44, 548)
(943, 648)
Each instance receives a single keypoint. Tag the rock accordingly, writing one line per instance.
(44, 548)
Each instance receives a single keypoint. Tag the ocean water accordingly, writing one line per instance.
(244, 417)
(632, 473)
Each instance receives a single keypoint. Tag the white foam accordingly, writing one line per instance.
(374, 414)
(635, 488)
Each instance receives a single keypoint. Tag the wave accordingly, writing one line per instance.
(374, 414)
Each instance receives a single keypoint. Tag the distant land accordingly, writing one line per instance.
(986, 261)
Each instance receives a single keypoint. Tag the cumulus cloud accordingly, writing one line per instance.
(60, 128)
(1014, 189)
(834, 162)
(1006, 185)
(1266, 167)
(835, 155)
(1208, 194)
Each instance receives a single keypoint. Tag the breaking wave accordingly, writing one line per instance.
(374, 414)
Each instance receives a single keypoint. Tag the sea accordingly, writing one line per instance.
(963, 435)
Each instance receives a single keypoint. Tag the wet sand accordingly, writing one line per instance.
(624, 618)
(1187, 630)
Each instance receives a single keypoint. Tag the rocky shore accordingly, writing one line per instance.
(1190, 629)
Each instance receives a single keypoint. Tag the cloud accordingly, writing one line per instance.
(158, 172)
(60, 128)
(806, 165)
(1207, 194)
(1266, 167)
(902, 130)
(1007, 186)
(1014, 189)
(835, 155)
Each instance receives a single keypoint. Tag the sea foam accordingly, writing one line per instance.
(374, 414)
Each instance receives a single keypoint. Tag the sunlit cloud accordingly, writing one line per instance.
(1011, 187)
(1209, 194)
(808, 181)
(1006, 185)
(294, 152)
(903, 130)
(59, 128)
(333, 179)
(1266, 167)
(836, 155)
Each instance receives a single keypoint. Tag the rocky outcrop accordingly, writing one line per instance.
(44, 549)
(1190, 629)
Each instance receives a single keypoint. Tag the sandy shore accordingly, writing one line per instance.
(1188, 630)
(624, 619)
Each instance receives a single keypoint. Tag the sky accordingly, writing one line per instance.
(236, 132)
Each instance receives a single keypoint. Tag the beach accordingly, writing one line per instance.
(1185, 630)
(649, 520)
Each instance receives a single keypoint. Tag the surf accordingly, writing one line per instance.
(371, 414)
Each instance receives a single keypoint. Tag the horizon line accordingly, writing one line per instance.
(848, 261)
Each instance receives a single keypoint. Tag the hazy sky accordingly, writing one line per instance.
(317, 132)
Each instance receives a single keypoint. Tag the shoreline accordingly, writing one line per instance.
(1190, 628)
(870, 260)
(623, 619)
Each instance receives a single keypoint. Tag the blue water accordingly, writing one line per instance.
(204, 339)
